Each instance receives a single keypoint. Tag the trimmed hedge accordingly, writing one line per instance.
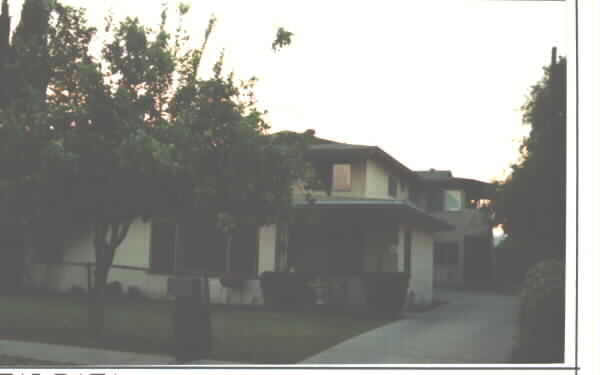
(542, 315)
(386, 291)
(286, 290)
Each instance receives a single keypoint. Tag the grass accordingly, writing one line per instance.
(240, 335)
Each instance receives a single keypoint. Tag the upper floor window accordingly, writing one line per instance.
(392, 186)
(453, 200)
(341, 177)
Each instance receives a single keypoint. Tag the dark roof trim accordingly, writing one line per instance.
(401, 210)
(340, 151)
(479, 188)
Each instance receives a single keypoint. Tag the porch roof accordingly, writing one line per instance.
(403, 211)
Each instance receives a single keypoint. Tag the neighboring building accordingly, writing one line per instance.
(371, 215)
(463, 256)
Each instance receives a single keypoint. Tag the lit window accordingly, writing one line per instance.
(341, 177)
(453, 200)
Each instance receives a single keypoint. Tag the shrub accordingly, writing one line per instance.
(233, 280)
(135, 292)
(286, 290)
(114, 289)
(78, 291)
(542, 315)
(385, 292)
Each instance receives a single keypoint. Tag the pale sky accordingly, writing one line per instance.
(436, 84)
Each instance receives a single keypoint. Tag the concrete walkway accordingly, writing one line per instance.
(75, 355)
(474, 327)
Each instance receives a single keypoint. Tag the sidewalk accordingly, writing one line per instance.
(74, 355)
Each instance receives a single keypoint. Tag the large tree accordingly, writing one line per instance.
(27, 144)
(137, 133)
(531, 204)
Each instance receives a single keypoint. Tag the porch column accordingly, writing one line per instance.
(267, 236)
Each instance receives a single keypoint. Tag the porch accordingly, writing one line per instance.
(337, 243)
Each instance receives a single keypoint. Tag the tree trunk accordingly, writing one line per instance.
(28, 250)
(228, 239)
(107, 237)
(96, 305)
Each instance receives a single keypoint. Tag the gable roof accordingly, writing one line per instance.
(336, 151)
(445, 180)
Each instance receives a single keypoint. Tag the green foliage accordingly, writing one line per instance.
(282, 39)
(531, 202)
(542, 314)
(386, 291)
(4, 51)
(286, 290)
(134, 132)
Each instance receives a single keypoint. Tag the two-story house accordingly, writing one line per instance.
(373, 214)
(463, 256)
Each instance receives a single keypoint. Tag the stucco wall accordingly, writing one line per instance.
(421, 280)
(267, 236)
(135, 251)
(468, 221)
(377, 181)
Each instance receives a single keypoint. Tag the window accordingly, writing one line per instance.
(341, 177)
(244, 250)
(392, 186)
(453, 200)
(445, 253)
(162, 246)
(202, 248)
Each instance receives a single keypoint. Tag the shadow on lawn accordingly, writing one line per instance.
(80, 337)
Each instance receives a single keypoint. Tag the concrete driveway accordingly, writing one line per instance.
(473, 327)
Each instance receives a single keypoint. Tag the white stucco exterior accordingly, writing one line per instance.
(266, 246)
(135, 252)
(383, 250)
(421, 280)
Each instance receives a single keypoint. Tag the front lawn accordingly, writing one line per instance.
(240, 335)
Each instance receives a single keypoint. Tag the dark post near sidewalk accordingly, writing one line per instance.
(192, 337)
